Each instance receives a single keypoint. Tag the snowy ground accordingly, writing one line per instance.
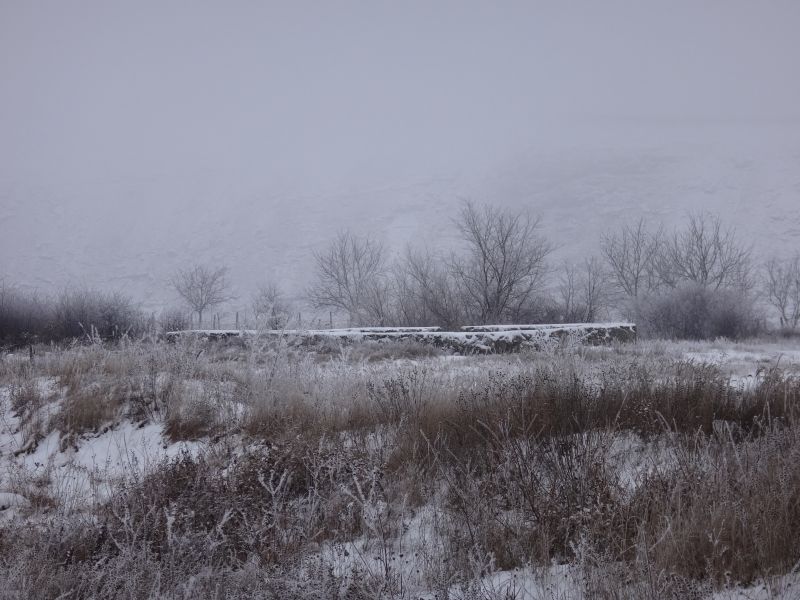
(85, 471)
(747, 359)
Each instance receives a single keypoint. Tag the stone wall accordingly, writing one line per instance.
(469, 340)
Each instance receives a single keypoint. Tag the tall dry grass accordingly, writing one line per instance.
(518, 462)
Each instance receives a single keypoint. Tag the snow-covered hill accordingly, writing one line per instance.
(132, 232)
(146, 138)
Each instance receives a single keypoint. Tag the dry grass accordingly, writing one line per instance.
(514, 459)
(393, 350)
(729, 510)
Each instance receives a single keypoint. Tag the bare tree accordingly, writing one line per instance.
(408, 308)
(270, 306)
(595, 290)
(202, 287)
(704, 253)
(350, 276)
(630, 255)
(430, 292)
(568, 293)
(782, 286)
(505, 261)
(379, 302)
(584, 291)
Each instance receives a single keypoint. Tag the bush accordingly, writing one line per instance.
(24, 317)
(109, 315)
(694, 312)
(174, 319)
(27, 318)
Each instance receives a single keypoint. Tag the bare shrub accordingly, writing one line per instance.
(196, 408)
(694, 311)
(401, 397)
(271, 418)
(269, 504)
(270, 307)
(174, 319)
(527, 498)
(80, 557)
(74, 314)
(89, 313)
(24, 317)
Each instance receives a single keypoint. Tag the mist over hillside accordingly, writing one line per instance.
(384, 300)
(131, 233)
(140, 138)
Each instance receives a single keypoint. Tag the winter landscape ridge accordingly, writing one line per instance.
(420, 300)
(130, 233)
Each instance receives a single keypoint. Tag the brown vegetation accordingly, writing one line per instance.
(519, 463)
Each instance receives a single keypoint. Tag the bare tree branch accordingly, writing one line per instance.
(349, 276)
(631, 254)
(584, 291)
(435, 294)
(704, 253)
(505, 261)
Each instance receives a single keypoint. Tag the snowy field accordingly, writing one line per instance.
(393, 470)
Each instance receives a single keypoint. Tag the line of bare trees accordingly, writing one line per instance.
(699, 280)
(704, 252)
(496, 276)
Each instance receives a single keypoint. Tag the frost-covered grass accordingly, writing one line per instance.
(649, 470)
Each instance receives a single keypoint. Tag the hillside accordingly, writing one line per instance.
(130, 233)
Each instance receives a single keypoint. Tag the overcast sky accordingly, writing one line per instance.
(331, 89)
(302, 97)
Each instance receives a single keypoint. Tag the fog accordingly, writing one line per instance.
(139, 138)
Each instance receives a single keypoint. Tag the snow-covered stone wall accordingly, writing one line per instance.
(471, 339)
